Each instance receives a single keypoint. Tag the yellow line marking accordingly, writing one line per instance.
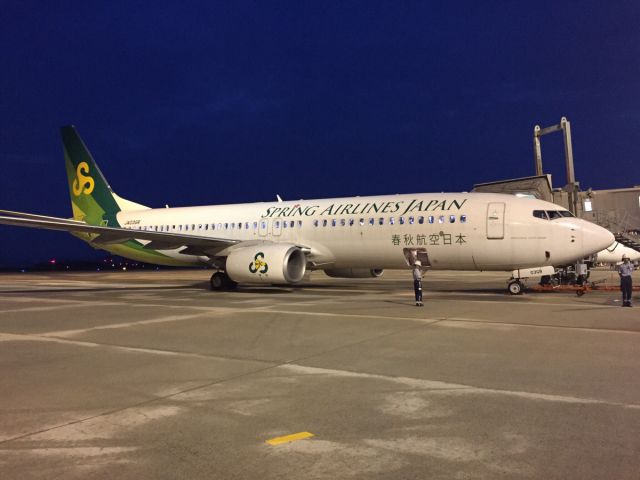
(289, 438)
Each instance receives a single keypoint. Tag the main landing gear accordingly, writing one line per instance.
(221, 281)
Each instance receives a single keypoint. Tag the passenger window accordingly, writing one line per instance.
(193, 227)
(315, 223)
(186, 227)
(381, 221)
(226, 226)
(401, 220)
(292, 223)
(431, 219)
(276, 224)
(540, 214)
(285, 224)
(200, 227)
(351, 222)
(299, 223)
(219, 226)
(255, 225)
(410, 220)
(324, 222)
(263, 224)
(240, 225)
(361, 221)
(420, 219)
(441, 219)
(452, 219)
(463, 219)
(333, 222)
(391, 221)
(213, 226)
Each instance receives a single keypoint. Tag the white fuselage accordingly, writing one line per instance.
(459, 231)
(614, 252)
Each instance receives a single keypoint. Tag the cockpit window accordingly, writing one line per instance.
(552, 214)
(540, 214)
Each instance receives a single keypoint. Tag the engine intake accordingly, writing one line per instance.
(267, 263)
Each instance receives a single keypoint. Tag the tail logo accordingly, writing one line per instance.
(258, 265)
(83, 183)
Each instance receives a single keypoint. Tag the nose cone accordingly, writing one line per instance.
(595, 238)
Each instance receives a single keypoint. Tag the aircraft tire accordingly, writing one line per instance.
(515, 287)
(221, 281)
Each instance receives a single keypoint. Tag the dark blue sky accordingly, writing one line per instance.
(220, 102)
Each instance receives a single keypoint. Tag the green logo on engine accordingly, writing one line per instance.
(258, 265)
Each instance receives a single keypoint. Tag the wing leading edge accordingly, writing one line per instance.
(103, 235)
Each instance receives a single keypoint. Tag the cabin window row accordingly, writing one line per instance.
(431, 219)
(217, 226)
(391, 220)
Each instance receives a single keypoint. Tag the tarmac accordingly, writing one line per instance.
(150, 375)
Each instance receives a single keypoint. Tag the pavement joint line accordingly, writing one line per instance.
(57, 307)
(154, 351)
(533, 325)
(170, 318)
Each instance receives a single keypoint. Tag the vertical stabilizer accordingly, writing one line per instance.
(92, 199)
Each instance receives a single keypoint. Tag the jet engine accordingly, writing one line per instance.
(354, 272)
(267, 263)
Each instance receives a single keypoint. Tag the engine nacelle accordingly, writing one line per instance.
(267, 263)
(354, 272)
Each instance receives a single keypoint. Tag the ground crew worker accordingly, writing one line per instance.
(625, 270)
(417, 282)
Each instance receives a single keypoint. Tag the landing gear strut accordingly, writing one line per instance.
(221, 281)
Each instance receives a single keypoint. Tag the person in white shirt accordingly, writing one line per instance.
(417, 282)
(625, 270)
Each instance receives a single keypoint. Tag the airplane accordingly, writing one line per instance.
(614, 252)
(351, 237)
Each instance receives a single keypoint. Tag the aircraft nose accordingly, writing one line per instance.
(595, 238)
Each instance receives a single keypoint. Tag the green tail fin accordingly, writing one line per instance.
(92, 199)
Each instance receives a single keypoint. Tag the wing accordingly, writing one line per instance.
(102, 235)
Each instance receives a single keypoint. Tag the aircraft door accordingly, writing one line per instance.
(495, 220)
(263, 227)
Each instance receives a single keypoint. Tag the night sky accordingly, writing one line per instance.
(191, 103)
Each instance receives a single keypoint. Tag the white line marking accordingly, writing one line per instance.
(447, 388)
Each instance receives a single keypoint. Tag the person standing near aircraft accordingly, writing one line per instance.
(625, 270)
(417, 282)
